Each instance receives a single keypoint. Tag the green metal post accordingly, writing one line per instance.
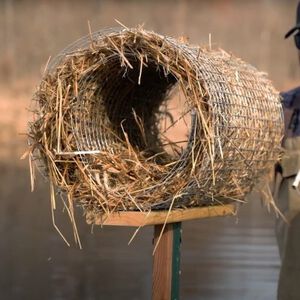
(175, 284)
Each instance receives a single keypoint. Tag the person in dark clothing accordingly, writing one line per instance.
(287, 193)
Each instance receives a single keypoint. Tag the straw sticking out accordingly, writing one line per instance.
(110, 133)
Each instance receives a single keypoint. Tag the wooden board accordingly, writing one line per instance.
(162, 263)
(137, 219)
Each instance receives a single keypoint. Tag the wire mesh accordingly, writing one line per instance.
(111, 133)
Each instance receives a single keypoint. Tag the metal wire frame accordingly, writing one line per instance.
(244, 113)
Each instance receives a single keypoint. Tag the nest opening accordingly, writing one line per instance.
(143, 103)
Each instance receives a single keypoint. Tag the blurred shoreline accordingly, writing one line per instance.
(35, 262)
(32, 31)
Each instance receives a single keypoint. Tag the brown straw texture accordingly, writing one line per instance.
(99, 131)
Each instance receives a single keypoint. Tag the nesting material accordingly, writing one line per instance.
(100, 131)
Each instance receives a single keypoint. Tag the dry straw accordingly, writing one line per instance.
(98, 134)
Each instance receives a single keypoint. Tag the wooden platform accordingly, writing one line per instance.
(167, 240)
(137, 219)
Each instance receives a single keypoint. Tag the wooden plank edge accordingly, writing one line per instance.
(138, 219)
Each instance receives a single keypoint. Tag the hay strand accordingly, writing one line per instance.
(103, 119)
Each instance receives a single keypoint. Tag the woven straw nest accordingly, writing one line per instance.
(98, 129)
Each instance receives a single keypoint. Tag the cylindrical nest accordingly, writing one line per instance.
(103, 112)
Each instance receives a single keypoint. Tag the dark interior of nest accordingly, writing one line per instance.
(143, 105)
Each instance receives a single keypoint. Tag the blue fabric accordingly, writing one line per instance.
(291, 101)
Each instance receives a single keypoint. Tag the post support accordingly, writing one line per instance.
(166, 262)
